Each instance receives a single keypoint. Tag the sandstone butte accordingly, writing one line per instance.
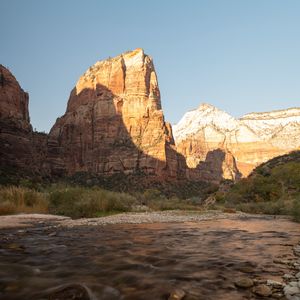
(114, 124)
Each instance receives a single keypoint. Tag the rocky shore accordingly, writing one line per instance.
(28, 220)
(175, 216)
(292, 287)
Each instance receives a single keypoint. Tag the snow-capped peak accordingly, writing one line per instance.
(205, 115)
(258, 126)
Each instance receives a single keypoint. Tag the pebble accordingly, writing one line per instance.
(52, 234)
(262, 290)
(294, 297)
(288, 276)
(247, 269)
(275, 284)
(16, 247)
(12, 287)
(36, 271)
(82, 292)
(259, 281)
(177, 294)
(244, 282)
(291, 290)
(280, 261)
(128, 290)
(297, 249)
(293, 283)
(70, 292)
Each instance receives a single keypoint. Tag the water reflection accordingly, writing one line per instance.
(144, 261)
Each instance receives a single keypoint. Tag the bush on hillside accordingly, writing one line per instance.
(270, 190)
(296, 209)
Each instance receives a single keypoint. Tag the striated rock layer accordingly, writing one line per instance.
(114, 123)
(238, 144)
(20, 147)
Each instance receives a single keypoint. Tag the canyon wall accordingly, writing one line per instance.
(114, 123)
(20, 147)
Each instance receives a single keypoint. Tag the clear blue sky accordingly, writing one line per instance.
(240, 55)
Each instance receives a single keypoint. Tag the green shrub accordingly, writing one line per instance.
(296, 209)
(273, 188)
(173, 203)
(83, 202)
(268, 208)
(220, 197)
(151, 194)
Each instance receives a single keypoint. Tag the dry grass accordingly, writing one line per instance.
(18, 199)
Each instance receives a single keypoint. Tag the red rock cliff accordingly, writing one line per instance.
(114, 122)
(19, 146)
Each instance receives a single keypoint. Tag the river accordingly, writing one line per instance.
(144, 261)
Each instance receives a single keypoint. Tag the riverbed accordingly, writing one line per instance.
(202, 259)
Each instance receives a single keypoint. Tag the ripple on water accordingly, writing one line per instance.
(145, 261)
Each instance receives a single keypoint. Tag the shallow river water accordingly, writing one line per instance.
(144, 261)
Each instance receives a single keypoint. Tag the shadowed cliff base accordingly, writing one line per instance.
(113, 124)
(140, 182)
(92, 137)
(21, 149)
(48, 162)
(92, 145)
(218, 165)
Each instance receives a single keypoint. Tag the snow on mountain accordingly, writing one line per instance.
(267, 124)
(205, 115)
(240, 144)
(250, 127)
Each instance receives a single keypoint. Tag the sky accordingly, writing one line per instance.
(239, 55)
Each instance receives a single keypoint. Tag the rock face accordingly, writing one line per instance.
(14, 101)
(20, 147)
(114, 122)
(239, 144)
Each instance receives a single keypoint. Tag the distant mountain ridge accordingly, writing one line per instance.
(251, 140)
